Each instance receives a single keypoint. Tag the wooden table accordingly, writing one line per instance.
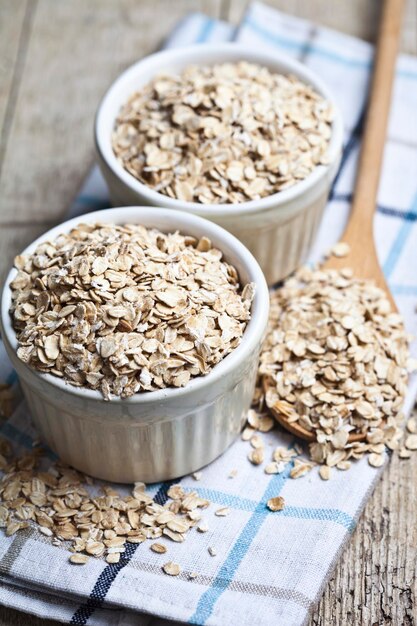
(56, 60)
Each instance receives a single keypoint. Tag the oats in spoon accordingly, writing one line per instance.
(335, 361)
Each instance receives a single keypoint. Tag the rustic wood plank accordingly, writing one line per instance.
(355, 17)
(76, 49)
(10, 617)
(13, 240)
(11, 22)
(375, 580)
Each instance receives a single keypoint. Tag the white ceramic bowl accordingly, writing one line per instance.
(154, 435)
(279, 229)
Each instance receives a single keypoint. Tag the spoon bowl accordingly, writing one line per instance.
(295, 428)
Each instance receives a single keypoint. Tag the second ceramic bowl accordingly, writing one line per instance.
(279, 229)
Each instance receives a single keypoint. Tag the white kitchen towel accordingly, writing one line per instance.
(270, 568)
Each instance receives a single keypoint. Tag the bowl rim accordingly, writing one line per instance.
(252, 335)
(196, 53)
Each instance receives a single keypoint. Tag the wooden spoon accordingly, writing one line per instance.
(362, 257)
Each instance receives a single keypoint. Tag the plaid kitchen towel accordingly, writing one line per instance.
(270, 568)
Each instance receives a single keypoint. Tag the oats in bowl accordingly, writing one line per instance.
(125, 308)
(227, 133)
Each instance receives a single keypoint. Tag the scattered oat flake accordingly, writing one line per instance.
(172, 569)
(300, 469)
(113, 557)
(265, 424)
(325, 472)
(212, 551)
(256, 456)
(276, 504)
(197, 475)
(192, 575)
(340, 249)
(160, 548)
(272, 468)
(257, 442)
(222, 512)
(79, 559)
(247, 433)
(412, 425)
(411, 442)
(13, 527)
(404, 453)
(202, 528)
(376, 460)
(233, 473)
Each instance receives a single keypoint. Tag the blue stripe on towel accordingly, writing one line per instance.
(17, 436)
(317, 49)
(238, 551)
(244, 504)
(390, 211)
(290, 44)
(92, 202)
(322, 515)
(404, 290)
(401, 239)
(12, 378)
(351, 143)
(206, 30)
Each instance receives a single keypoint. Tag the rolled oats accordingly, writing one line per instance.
(340, 249)
(229, 133)
(65, 505)
(172, 569)
(300, 468)
(256, 456)
(404, 453)
(412, 425)
(159, 548)
(336, 361)
(222, 512)
(79, 559)
(276, 504)
(202, 528)
(125, 309)
(113, 557)
(325, 472)
(376, 460)
(256, 441)
(411, 442)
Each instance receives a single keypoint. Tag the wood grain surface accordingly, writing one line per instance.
(56, 60)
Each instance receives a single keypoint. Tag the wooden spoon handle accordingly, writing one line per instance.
(360, 227)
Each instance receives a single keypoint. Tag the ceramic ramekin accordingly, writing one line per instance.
(279, 229)
(155, 435)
